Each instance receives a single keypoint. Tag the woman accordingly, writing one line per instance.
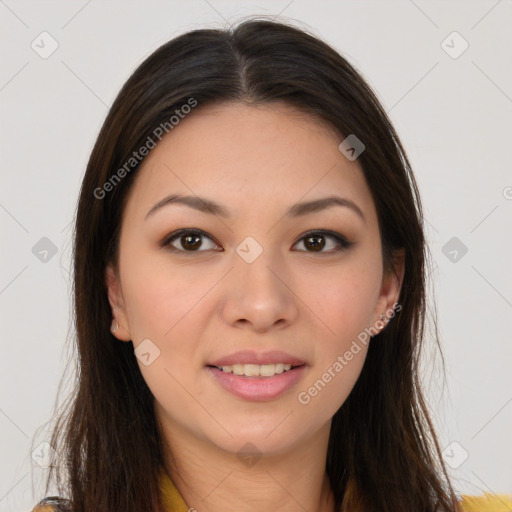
(249, 291)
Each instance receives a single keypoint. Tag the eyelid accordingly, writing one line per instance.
(341, 240)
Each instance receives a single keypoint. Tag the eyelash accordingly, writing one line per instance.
(343, 243)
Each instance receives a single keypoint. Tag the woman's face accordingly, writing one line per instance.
(256, 281)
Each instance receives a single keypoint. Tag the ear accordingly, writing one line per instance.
(390, 290)
(115, 298)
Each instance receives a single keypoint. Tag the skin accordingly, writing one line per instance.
(198, 306)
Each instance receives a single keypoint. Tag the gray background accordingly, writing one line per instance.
(451, 111)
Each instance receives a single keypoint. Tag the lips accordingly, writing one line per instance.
(257, 358)
(258, 389)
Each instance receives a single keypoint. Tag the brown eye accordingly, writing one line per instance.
(317, 241)
(189, 241)
(192, 242)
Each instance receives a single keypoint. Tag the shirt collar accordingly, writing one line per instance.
(172, 499)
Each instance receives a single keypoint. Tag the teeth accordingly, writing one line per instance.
(257, 370)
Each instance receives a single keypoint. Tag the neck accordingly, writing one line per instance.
(211, 479)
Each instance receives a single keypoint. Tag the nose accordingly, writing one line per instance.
(259, 295)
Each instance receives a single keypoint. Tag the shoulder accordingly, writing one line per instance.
(486, 503)
(53, 504)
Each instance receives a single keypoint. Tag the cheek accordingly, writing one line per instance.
(343, 297)
(159, 296)
(162, 305)
(343, 300)
(166, 303)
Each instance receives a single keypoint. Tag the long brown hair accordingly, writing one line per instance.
(383, 454)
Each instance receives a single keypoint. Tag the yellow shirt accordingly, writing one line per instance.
(174, 502)
(487, 503)
(171, 497)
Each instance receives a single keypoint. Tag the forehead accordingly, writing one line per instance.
(246, 156)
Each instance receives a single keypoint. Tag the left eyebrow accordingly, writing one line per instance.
(209, 206)
(317, 205)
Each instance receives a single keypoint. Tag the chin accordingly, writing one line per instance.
(258, 438)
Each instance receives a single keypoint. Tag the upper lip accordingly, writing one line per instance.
(255, 357)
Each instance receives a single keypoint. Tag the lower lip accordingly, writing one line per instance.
(258, 388)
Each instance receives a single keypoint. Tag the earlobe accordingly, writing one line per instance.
(119, 326)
